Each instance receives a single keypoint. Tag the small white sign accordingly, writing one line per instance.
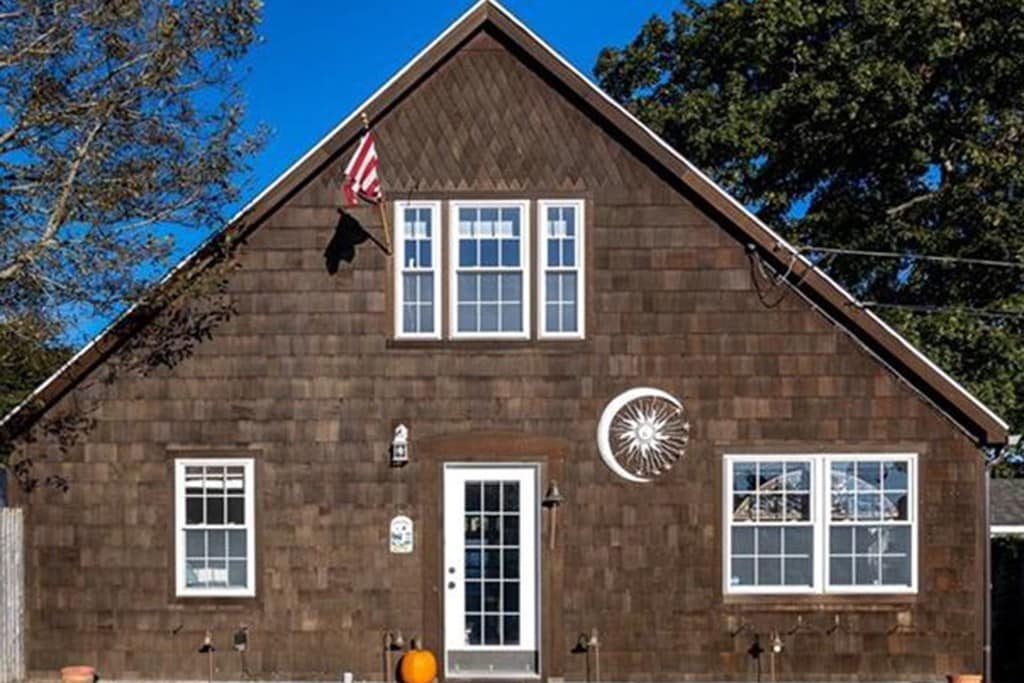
(401, 535)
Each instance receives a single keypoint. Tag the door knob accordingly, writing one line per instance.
(451, 585)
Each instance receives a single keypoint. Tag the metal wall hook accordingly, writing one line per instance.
(801, 626)
(744, 627)
(837, 625)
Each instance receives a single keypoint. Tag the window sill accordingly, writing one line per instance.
(803, 602)
(567, 346)
(215, 595)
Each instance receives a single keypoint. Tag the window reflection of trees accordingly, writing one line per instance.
(784, 494)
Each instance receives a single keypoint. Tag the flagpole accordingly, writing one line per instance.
(387, 228)
(382, 204)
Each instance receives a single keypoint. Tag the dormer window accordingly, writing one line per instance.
(490, 271)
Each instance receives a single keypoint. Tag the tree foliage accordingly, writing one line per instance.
(120, 121)
(864, 124)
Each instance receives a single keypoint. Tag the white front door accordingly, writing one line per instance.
(490, 570)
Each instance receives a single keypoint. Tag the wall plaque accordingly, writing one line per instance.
(401, 535)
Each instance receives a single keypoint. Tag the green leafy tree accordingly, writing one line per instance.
(24, 366)
(121, 125)
(872, 125)
(121, 122)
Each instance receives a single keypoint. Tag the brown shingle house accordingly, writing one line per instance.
(741, 451)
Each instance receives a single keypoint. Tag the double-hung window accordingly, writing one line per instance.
(839, 523)
(561, 268)
(489, 256)
(215, 534)
(870, 523)
(417, 283)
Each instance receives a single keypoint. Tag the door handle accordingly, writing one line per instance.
(451, 585)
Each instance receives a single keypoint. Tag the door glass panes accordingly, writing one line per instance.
(215, 531)
(490, 270)
(492, 571)
(418, 271)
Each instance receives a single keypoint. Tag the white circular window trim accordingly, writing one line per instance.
(642, 433)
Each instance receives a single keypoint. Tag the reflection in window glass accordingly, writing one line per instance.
(492, 569)
(772, 530)
(862, 538)
(215, 550)
(490, 270)
(418, 270)
(562, 259)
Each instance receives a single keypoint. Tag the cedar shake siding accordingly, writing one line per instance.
(308, 381)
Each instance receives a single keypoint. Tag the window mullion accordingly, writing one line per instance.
(820, 477)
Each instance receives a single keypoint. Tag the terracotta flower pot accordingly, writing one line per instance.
(964, 678)
(78, 674)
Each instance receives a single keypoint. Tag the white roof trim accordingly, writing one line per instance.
(654, 137)
(1007, 530)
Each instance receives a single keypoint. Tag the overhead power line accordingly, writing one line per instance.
(915, 257)
(923, 308)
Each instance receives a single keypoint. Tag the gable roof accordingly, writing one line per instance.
(820, 291)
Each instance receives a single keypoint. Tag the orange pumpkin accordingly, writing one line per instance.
(418, 666)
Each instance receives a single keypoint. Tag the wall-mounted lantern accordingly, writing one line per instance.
(400, 447)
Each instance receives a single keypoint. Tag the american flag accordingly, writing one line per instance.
(361, 180)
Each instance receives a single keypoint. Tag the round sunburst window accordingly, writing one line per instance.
(642, 433)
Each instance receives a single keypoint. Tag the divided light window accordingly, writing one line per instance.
(214, 531)
(489, 252)
(417, 284)
(561, 269)
(820, 524)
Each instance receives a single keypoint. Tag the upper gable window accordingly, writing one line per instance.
(561, 268)
(489, 283)
(417, 285)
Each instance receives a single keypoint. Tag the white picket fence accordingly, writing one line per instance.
(12, 595)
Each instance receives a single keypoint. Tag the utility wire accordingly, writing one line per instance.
(915, 257)
(921, 308)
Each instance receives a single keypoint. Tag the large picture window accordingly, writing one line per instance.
(417, 285)
(820, 523)
(214, 514)
(489, 288)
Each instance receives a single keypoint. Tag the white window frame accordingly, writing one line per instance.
(453, 265)
(542, 268)
(179, 528)
(821, 478)
(400, 267)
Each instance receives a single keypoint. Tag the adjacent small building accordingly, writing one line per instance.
(591, 418)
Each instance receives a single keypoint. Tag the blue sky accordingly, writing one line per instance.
(319, 59)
